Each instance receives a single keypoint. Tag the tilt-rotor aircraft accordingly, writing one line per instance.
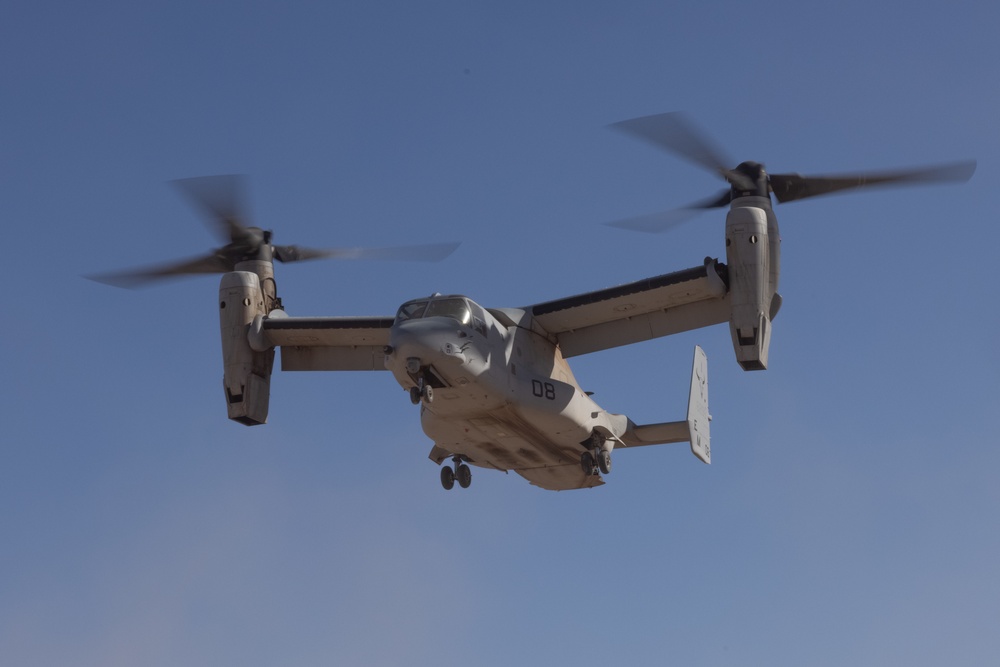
(493, 384)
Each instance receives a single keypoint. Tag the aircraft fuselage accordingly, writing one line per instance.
(499, 395)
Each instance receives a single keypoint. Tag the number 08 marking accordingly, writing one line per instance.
(545, 390)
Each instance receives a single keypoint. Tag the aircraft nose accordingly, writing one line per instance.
(426, 340)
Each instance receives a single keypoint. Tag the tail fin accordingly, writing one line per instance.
(694, 430)
(698, 418)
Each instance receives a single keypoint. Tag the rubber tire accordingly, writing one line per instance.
(447, 478)
(464, 476)
(587, 463)
(604, 461)
(429, 394)
(414, 395)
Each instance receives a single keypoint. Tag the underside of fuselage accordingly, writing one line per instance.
(502, 440)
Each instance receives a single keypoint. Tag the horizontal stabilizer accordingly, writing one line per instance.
(695, 429)
(660, 434)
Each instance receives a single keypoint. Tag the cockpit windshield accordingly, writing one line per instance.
(457, 308)
(411, 311)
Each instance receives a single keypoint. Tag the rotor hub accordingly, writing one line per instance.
(755, 176)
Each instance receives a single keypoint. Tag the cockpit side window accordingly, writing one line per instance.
(478, 321)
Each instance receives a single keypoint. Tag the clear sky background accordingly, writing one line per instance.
(850, 514)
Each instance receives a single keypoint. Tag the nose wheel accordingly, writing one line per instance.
(420, 375)
(422, 392)
(460, 473)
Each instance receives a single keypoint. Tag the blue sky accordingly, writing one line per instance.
(850, 512)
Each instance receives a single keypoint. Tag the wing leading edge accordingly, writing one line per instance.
(643, 310)
(589, 322)
(329, 343)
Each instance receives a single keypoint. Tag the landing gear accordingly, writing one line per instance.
(423, 391)
(421, 376)
(596, 458)
(460, 472)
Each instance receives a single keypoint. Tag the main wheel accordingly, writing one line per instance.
(604, 461)
(447, 478)
(428, 393)
(414, 395)
(587, 463)
(464, 476)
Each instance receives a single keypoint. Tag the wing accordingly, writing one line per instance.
(329, 343)
(643, 310)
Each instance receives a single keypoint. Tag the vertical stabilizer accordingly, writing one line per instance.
(694, 429)
(698, 417)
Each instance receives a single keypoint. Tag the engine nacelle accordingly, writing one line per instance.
(247, 372)
(750, 284)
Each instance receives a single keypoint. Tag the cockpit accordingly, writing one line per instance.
(458, 308)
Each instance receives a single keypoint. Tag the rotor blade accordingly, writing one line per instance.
(294, 253)
(222, 199)
(791, 187)
(655, 223)
(675, 133)
(128, 279)
(434, 252)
